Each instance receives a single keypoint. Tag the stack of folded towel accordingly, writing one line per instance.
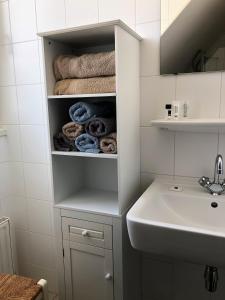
(86, 74)
(92, 130)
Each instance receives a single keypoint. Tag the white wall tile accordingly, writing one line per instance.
(202, 92)
(221, 148)
(33, 139)
(16, 209)
(27, 64)
(148, 178)
(30, 103)
(23, 20)
(156, 91)
(7, 75)
(150, 32)
(8, 105)
(157, 151)
(147, 11)
(22, 247)
(195, 153)
(16, 173)
(222, 108)
(5, 32)
(50, 275)
(111, 10)
(50, 14)
(37, 180)
(5, 185)
(10, 145)
(43, 250)
(41, 59)
(40, 216)
(81, 12)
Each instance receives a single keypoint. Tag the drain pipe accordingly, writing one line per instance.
(211, 278)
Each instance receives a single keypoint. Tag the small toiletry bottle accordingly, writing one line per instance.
(176, 109)
(185, 109)
(168, 108)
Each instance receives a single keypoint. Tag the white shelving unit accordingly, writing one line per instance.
(110, 35)
(193, 125)
(96, 189)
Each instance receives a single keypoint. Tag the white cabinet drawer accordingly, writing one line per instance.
(86, 232)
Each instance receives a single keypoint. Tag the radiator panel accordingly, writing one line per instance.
(6, 262)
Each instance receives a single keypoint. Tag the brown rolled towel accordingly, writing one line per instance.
(101, 126)
(71, 130)
(108, 144)
(93, 85)
(84, 66)
(61, 143)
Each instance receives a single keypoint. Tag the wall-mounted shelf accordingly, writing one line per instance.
(3, 132)
(191, 125)
(55, 97)
(84, 154)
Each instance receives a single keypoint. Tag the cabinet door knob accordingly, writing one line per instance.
(108, 276)
(85, 233)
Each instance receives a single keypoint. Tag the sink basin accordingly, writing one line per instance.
(179, 220)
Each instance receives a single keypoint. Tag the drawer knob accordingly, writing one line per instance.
(108, 276)
(85, 233)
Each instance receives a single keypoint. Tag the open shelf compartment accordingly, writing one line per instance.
(88, 184)
(59, 115)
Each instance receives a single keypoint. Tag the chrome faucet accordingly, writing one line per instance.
(215, 187)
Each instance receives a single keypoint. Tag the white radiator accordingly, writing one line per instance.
(6, 262)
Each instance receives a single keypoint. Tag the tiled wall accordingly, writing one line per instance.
(24, 168)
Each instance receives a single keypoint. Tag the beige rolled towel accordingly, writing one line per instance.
(71, 130)
(108, 144)
(84, 66)
(85, 86)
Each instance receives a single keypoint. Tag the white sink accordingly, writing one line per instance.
(179, 223)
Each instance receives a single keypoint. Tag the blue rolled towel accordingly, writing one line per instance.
(87, 143)
(81, 112)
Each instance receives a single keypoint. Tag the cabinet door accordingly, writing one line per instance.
(88, 272)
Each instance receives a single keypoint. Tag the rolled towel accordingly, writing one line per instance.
(71, 130)
(108, 144)
(84, 66)
(61, 143)
(101, 126)
(87, 143)
(82, 112)
(95, 85)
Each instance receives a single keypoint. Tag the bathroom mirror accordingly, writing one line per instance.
(192, 36)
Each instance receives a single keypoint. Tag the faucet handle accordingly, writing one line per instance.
(204, 181)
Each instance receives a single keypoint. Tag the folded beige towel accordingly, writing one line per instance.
(71, 130)
(85, 86)
(108, 144)
(84, 66)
